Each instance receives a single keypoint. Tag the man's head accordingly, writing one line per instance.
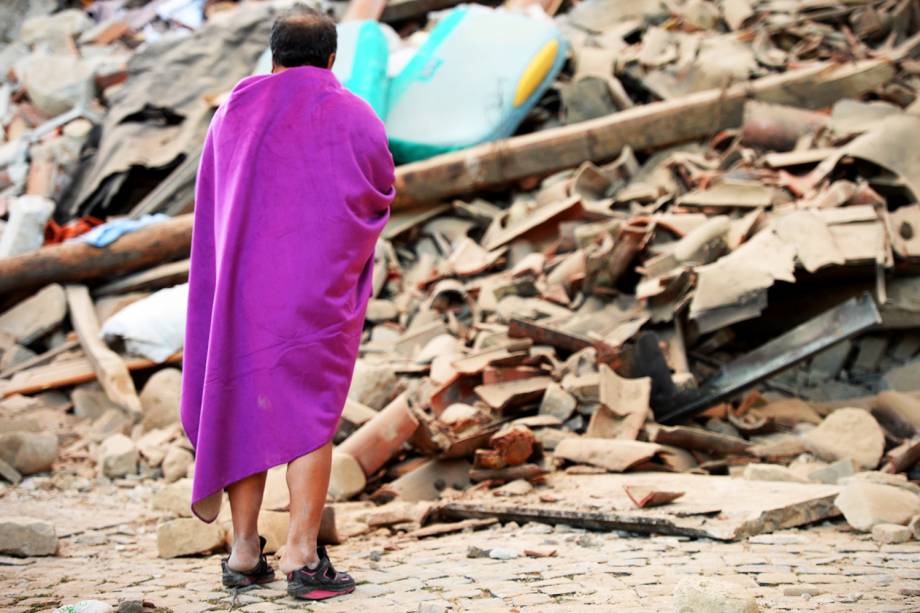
(303, 37)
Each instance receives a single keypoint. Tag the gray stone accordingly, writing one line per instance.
(9, 473)
(17, 354)
(914, 526)
(518, 487)
(175, 498)
(381, 310)
(347, 478)
(53, 28)
(771, 472)
(160, 399)
(904, 378)
(36, 316)
(25, 230)
(834, 472)
(890, 534)
(865, 504)
(29, 452)
(504, 553)
(154, 445)
(711, 595)
(56, 82)
(90, 401)
(113, 421)
(829, 362)
(870, 350)
(557, 402)
(373, 384)
(894, 480)
(186, 536)
(176, 463)
(848, 433)
(118, 456)
(25, 536)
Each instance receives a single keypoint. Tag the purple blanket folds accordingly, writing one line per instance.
(293, 190)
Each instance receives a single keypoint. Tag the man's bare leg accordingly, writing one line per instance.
(245, 502)
(308, 481)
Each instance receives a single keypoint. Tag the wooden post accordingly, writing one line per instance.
(111, 371)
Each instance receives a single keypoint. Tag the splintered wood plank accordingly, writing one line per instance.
(66, 373)
(721, 508)
(110, 369)
(41, 358)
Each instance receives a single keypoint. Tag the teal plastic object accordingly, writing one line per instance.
(474, 80)
(360, 62)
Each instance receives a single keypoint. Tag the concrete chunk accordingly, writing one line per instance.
(118, 456)
(709, 595)
(175, 498)
(347, 479)
(29, 452)
(557, 402)
(25, 230)
(890, 534)
(17, 354)
(848, 433)
(865, 504)
(186, 536)
(90, 401)
(373, 384)
(25, 536)
(771, 472)
(176, 463)
(160, 399)
(832, 473)
(56, 82)
(36, 316)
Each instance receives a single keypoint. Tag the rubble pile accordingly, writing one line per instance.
(689, 274)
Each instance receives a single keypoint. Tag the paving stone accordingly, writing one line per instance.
(705, 595)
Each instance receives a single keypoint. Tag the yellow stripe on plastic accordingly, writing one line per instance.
(536, 72)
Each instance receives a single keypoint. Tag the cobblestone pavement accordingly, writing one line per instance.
(108, 552)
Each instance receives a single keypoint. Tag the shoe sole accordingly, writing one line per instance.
(250, 581)
(322, 594)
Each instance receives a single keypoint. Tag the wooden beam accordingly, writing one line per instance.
(165, 275)
(111, 371)
(78, 261)
(650, 126)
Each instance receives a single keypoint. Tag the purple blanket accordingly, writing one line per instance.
(293, 190)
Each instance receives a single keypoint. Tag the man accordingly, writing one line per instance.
(293, 190)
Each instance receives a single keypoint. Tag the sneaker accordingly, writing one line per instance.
(321, 582)
(259, 574)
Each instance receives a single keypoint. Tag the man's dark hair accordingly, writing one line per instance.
(302, 36)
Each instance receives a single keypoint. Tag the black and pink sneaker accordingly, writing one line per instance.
(258, 575)
(321, 582)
